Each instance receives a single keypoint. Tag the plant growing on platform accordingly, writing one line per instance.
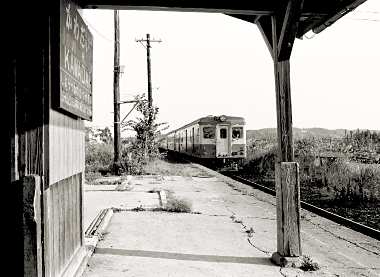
(307, 264)
(176, 205)
(145, 146)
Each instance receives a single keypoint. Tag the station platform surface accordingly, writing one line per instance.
(230, 231)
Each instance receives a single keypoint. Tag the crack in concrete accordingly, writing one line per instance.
(248, 232)
(254, 246)
(282, 273)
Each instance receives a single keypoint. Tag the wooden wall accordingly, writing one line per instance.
(63, 197)
(66, 146)
(63, 223)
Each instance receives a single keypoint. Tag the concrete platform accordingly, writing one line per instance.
(231, 232)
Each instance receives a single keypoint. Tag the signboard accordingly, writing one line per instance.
(75, 63)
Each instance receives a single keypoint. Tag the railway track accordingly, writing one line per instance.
(371, 232)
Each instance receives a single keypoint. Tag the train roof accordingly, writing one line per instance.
(211, 119)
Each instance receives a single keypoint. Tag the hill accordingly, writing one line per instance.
(298, 133)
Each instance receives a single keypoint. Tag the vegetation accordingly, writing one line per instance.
(176, 205)
(341, 174)
(137, 154)
(144, 148)
(307, 264)
(98, 151)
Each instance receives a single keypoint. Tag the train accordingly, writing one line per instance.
(212, 140)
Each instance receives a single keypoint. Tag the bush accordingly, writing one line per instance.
(99, 157)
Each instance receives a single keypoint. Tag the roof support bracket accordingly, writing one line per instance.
(288, 21)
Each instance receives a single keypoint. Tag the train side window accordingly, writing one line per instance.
(209, 132)
(237, 132)
(223, 133)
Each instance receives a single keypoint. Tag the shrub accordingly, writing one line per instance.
(99, 157)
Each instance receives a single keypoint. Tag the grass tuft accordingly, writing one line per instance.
(175, 205)
(308, 264)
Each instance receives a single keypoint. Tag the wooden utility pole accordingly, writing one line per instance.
(116, 94)
(148, 41)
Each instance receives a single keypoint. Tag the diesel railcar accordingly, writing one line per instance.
(212, 139)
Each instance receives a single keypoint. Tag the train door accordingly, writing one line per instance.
(222, 141)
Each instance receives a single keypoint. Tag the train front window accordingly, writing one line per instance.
(223, 133)
(209, 132)
(237, 132)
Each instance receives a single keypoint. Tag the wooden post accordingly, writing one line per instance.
(288, 209)
(116, 95)
(286, 171)
(32, 225)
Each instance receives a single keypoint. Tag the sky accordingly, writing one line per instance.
(213, 64)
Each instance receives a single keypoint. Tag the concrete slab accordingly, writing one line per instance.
(234, 233)
(94, 201)
(177, 245)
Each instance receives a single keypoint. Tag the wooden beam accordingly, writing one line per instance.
(265, 27)
(257, 7)
(289, 29)
(283, 103)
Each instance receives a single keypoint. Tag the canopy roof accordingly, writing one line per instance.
(315, 15)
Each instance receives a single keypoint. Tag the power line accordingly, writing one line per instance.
(364, 19)
(96, 31)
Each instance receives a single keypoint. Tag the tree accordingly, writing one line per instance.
(145, 146)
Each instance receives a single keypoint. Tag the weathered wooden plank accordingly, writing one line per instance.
(71, 212)
(55, 227)
(288, 209)
(81, 207)
(66, 222)
(279, 205)
(47, 232)
(32, 225)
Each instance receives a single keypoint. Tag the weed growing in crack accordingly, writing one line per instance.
(138, 209)
(175, 205)
(102, 235)
(250, 232)
(307, 264)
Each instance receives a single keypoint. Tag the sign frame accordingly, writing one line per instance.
(72, 62)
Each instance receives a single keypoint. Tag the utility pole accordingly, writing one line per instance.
(116, 94)
(147, 47)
